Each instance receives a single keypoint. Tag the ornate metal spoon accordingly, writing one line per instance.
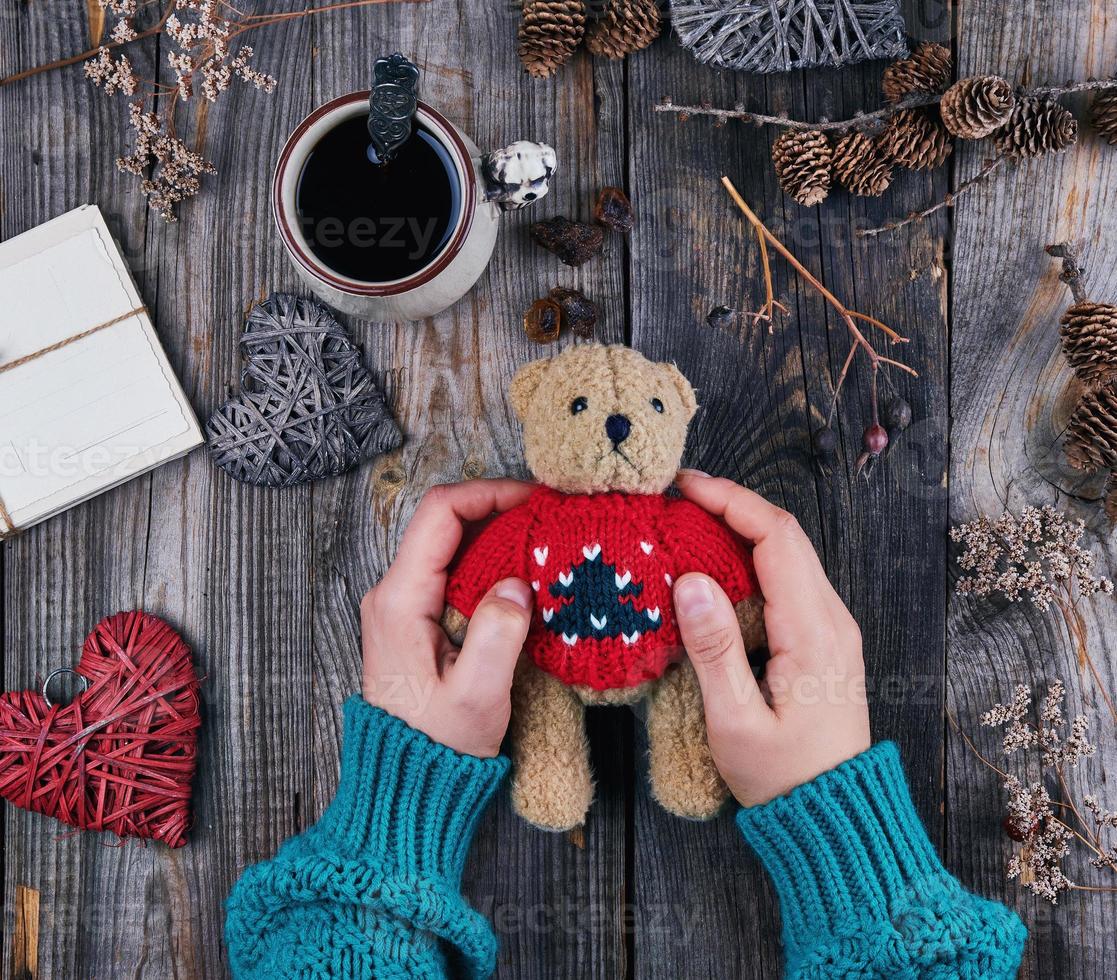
(391, 106)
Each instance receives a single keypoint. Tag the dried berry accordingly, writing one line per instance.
(574, 242)
(721, 317)
(875, 440)
(543, 321)
(1016, 832)
(896, 415)
(579, 312)
(825, 442)
(614, 210)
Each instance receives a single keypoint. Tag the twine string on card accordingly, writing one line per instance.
(9, 528)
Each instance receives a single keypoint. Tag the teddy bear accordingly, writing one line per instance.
(601, 544)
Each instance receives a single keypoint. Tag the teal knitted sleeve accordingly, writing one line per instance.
(372, 890)
(863, 893)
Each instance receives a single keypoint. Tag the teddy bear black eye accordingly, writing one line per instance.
(657, 405)
(578, 405)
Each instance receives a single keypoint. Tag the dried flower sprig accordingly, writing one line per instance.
(876, 437)
(1036, 556)
(1046, 828)
(204, 58)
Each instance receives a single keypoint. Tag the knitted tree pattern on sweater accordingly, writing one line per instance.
(596, 585)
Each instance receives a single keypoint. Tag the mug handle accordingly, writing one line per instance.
(518, 174)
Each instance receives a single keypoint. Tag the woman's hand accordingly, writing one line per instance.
(810, 713)
(460, 698)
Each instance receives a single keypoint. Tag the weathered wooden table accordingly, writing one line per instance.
(265, 585)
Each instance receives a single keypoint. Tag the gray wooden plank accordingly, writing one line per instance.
(449, 377)
(761, 395)
(59, 142)
(1010, 396)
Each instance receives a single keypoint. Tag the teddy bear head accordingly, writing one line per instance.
(600, 418)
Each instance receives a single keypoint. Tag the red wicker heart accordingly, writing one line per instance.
(120, 756)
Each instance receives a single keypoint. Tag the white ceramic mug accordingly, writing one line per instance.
(504, 180)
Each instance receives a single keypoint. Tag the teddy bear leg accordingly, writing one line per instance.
(683, 777)
(552, 787)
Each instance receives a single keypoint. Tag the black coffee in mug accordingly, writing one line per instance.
(377, 222)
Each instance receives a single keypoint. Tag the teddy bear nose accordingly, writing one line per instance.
(617, 428)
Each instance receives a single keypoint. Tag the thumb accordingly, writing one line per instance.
(482, 674)
(712, 637)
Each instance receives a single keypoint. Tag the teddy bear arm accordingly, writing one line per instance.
(454, 624)
(750, 617)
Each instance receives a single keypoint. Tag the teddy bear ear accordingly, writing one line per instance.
(524, 383)
(686, 392)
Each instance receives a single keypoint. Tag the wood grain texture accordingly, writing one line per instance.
(265, 585)
(1010, 395)
(761, 396)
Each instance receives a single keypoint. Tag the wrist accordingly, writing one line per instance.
(846, 846)
(403, 799)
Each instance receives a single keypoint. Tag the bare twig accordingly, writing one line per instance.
(987, 171)
(859, 338)
(861, 120)
(1076, 629)
(258, 20)
(1074, 273)
(864, 120)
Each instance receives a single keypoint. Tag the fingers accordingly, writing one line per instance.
(435, 532)
(800, 603)
(712, 637)
(482, 674)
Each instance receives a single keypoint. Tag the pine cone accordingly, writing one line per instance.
(803, 161)
(861, 166)
(1089, 335)
(927, 70)
(1037, 126)
(626, 26)
(549, 33)
(914, 138)
(1103, 114)
(976, 107)
(1091, 442)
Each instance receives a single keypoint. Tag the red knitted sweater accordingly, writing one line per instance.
(602, 567)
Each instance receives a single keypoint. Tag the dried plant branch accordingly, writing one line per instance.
(1032, 822)
(200, 37)
(862, 120)
(260, 20)
(1074, 273)
(859, 338)
(1037, 556)
(876, 438)
(987, 171)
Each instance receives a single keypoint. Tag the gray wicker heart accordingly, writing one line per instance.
(307, 408)
(779, 35)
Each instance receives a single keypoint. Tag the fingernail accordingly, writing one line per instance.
(694, 597)
(685, 471)
(515, 591)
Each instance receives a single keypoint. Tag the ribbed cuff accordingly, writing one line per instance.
(845, 847)
(404, 801)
